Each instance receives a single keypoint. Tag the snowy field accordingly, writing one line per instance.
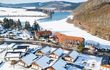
(69, 29)
(13, 11)
(20, 12)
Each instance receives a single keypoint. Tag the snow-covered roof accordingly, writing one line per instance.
(53, 49)
(58, 52)
(20, 50)
(34, 46)
(59, 65)
(74, 54)
(45, 49)
(35, 49)
(21, 47)
(3, 45)
(73, 67)
(13, 54)
(11, 45)
(96, 44)
(43, 62)
(28, 59)
(91, 42)
(103, 46)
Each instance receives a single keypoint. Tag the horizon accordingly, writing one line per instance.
(31, 1)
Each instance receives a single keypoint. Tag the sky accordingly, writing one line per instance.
(29, 1)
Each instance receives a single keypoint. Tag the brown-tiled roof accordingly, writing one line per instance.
(43, 33)
(62, 37)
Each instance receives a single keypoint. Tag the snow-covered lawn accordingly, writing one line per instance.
(69, 29)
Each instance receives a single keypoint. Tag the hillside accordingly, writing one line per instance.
(60, 5)
(94, 17)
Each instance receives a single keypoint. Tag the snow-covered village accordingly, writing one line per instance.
(41, 38)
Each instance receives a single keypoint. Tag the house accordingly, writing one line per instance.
(88, 62)
(23, 34)
(57, 53)
(12, 56)
(44, 34)
(27, 60)
(42, 63)
(71, 56)
(21, 48)
(69, 41)
(44, 50)
(59, 65)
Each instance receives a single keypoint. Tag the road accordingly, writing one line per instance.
(37, 42)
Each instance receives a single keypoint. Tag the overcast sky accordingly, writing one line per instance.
(29, 1)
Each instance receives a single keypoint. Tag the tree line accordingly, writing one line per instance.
(11, 24)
